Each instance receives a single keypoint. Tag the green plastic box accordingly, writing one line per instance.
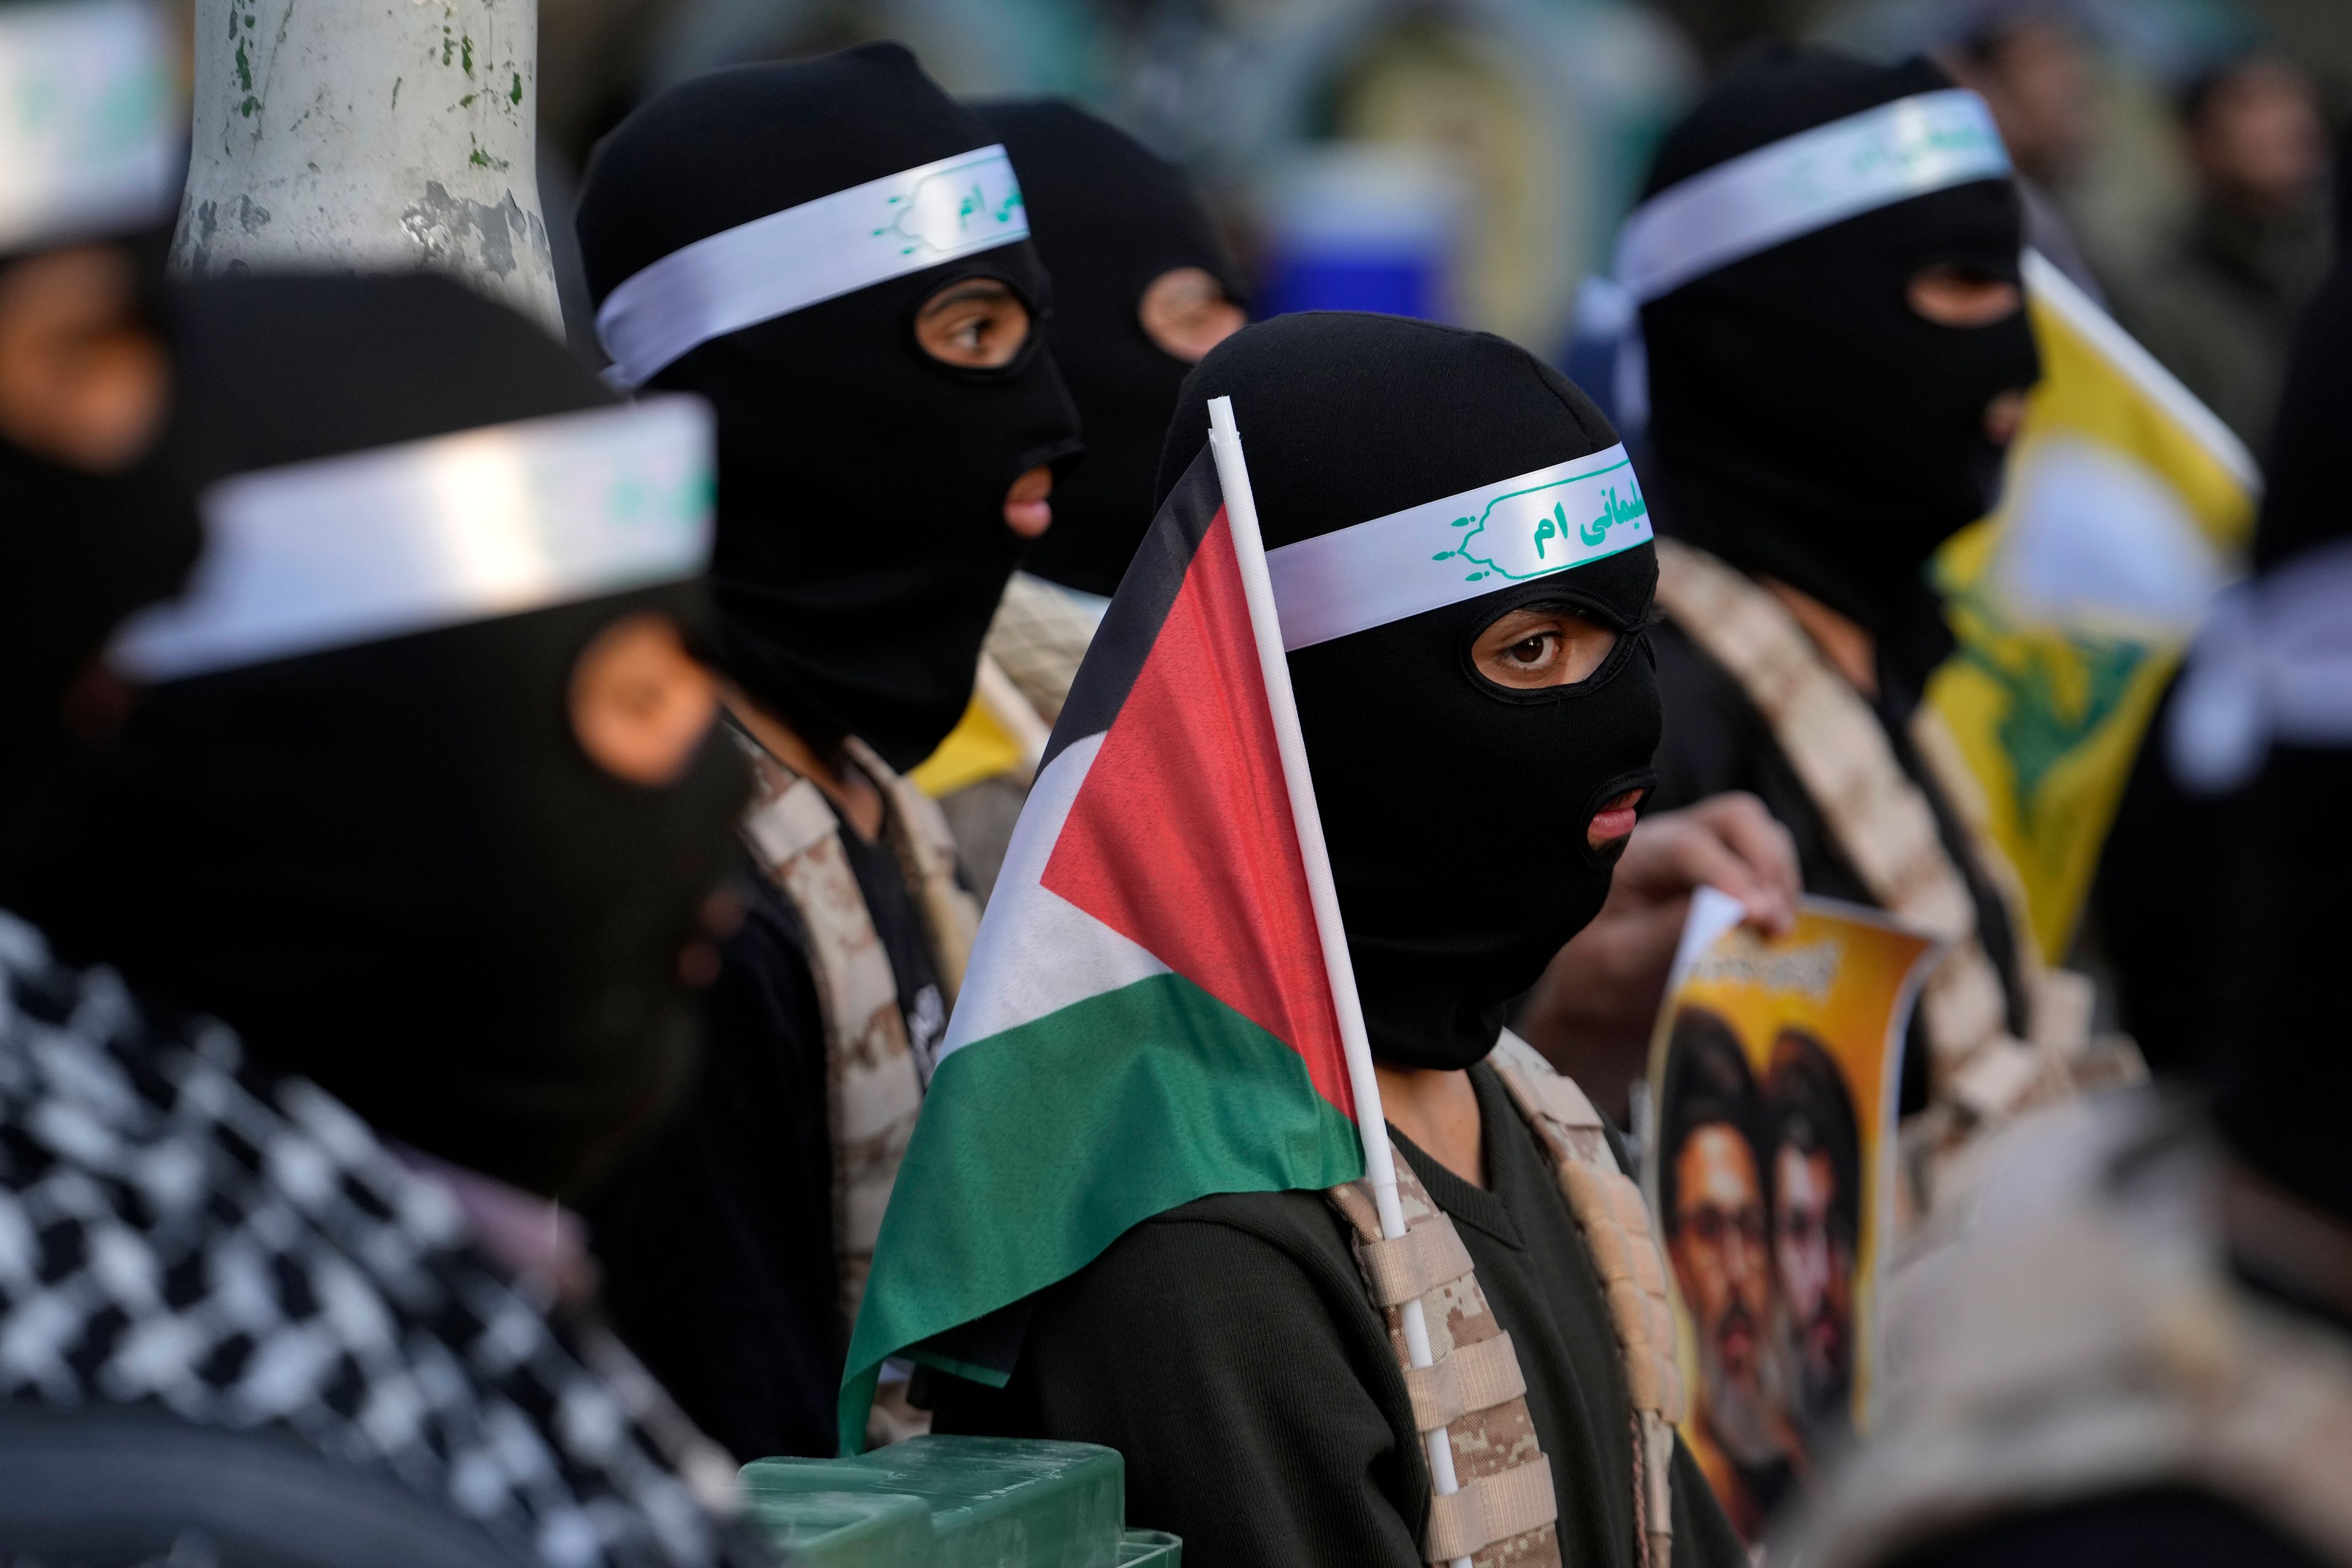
(955, 1502)
(845, 1530)
(1149, 1549)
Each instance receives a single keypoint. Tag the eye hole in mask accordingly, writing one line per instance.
(1950, 294)
(973, 323)
(1537, 647)
(1186, 312)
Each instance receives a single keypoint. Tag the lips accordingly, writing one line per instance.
(1615, 823)
(1614, 820)
(1029, 518)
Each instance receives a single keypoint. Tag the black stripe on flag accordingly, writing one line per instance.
(1140, 607)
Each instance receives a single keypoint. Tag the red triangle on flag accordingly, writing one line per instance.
(1180, 839)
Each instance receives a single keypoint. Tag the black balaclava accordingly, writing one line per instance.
(862, 544)
(79, 551)
(1455, 810)
(1807, 424)
(1110, 217)
(389, 865)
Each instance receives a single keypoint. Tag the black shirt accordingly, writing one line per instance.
(1229, 1351)
(718, 1244)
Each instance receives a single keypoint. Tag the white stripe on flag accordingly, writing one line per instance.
(1038, 951)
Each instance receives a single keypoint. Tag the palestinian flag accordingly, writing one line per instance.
(1147, 1019)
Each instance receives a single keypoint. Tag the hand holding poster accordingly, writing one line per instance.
(1773, 1074)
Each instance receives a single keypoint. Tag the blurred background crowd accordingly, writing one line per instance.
(1469, 159)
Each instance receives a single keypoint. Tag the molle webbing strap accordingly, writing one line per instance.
(1502, 1515)
(1609, 1210)
(873, 1089)
(1884, 826)
(1474, 1377)
(1490, 1509)
(1414, 1264)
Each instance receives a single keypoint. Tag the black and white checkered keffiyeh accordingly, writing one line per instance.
(179, 1226)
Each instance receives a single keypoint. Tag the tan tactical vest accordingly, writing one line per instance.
(1504, 1515)
(1039, 638)
(873, 1084)
(1980, 1073)
(2085, 1337)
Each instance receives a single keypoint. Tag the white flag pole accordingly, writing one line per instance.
(1364, 1088)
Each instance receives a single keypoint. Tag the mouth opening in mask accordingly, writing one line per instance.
(1612, 821)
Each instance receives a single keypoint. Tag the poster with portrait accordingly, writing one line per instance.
(1769, 1162)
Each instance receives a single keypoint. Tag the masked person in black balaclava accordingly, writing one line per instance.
(834, 252)
(1143, 286)
(421, 796)
(1478, 760)
(1827, 254)
(2049, 1411)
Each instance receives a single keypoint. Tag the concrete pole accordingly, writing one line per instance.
(370, 135)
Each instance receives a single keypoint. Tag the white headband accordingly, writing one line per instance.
(1462, 547)
(2274, 664)
(88, 139)
(459, 528)
(1927, 143)
(803, 256)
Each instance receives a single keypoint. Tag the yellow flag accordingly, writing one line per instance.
(1000, 733)
(977, 748)
(2127, 504)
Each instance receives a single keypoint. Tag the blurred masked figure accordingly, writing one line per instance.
(835, 253)
(397, 858)
(1827, 257)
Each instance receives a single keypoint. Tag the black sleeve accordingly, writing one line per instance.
(2171, 1528)
(1211, 1360)
(717, 1244)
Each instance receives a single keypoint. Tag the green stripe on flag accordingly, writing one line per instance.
(1040, 1146)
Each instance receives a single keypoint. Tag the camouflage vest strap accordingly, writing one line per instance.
(1502, 1516)
(926, 847)
(1039, 638)
(1608, 1208)
(1885, 829)
(2093, 1342)
(874, 1092)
